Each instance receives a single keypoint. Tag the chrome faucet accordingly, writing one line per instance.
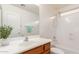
(26, 38)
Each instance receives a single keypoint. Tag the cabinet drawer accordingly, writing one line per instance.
(47, 46)
(37, 50)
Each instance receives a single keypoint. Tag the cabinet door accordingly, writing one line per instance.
(47, 46)
(37, 50)
(47, 52)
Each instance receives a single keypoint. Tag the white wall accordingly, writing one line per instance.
(46, 24)
(17, 18)
(67, 31)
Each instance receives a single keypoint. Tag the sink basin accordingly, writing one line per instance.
(28, 43)
(21, 40)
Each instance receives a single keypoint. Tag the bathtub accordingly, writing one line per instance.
(66, 50)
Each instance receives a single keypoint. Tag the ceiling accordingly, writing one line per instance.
(30, 7)
(35, 8)
(54, 7)
(64, 7)
(57, 6)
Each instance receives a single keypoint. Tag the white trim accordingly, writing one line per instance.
(70, 12)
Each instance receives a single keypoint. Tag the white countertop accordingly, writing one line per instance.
(18, 45)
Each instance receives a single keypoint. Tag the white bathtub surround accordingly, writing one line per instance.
(18, 45)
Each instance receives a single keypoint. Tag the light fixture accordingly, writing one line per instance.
(52, 17)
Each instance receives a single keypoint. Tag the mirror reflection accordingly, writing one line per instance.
(22, 18)
(0, 16)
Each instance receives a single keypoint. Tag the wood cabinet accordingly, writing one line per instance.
(43, 49)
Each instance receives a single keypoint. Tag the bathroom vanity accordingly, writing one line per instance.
(32, 46)
(43, 49)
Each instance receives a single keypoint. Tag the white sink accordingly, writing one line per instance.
(20, 40)
(27, 43)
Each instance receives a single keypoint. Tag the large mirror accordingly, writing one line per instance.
(23, 18)
(0, 16)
